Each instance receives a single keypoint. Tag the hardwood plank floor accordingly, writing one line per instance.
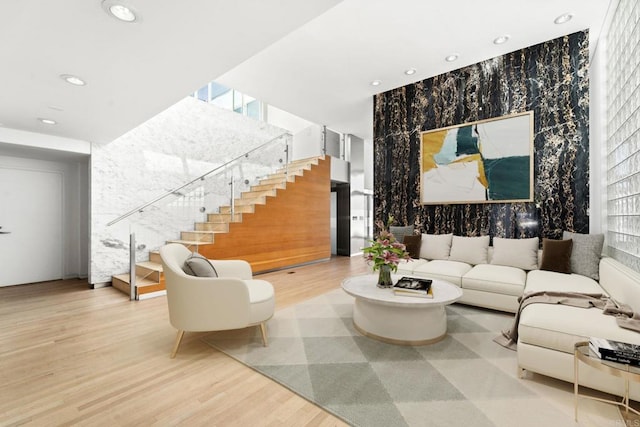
(70, 355)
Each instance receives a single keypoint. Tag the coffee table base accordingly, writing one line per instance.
(400, 325)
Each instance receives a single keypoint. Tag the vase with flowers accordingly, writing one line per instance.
(385, 253)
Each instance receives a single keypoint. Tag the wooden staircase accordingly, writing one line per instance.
(149, 274)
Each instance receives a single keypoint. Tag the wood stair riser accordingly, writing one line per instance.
(271, 192)
(237, 209)
(147, 273)
(224, 218)
(290, 173)
(144, 286)
(154, 256)
(198, 236)
(192, 245)
(250, 201)
(266, 181)
(276, 186)
(219, 227)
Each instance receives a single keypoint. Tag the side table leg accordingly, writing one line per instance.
(626, 396)
(575, 386)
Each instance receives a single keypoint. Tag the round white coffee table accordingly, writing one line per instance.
(380, 314)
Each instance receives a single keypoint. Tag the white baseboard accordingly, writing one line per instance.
(152, 295)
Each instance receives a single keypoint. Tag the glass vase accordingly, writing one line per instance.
(384, 277)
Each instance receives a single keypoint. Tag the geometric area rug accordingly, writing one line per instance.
(464, 380)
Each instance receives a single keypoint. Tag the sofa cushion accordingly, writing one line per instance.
(519, 253)
(197, 265)
(451, 271)
(412, 243)
(586, 253)
(556, 255)
(470, 250)
(406, 267)
(559, 327)
(499, 279)
(435, 246)
(542, 280)
(400, 231)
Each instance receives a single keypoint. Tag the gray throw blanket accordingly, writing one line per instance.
(626, 318)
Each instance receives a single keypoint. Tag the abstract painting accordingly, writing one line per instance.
(488, 161)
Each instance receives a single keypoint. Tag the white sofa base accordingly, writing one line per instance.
(501, 302)
(559, 365)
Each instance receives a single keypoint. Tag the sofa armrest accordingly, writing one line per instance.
(232, 268)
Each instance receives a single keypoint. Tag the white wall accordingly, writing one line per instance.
(44, 141)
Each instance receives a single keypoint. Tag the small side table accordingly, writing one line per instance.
(626, 372)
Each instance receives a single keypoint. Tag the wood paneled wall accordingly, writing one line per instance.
(292, 228)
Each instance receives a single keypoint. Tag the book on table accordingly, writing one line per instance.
(615, 351)
(410, 286)
(404, 293)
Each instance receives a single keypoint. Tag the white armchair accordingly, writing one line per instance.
(233, 300)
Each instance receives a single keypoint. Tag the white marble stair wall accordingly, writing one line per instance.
(174, 147)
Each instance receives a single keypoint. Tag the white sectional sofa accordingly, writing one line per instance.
(547, 332)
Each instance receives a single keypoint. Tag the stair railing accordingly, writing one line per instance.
(192, 201)
(201, 178)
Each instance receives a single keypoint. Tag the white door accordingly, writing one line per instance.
(31, 221)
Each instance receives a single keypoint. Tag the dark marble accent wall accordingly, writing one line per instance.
(552, 80)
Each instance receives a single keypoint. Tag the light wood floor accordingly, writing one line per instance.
(70, 355)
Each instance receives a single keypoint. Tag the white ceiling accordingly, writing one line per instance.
(315, 59)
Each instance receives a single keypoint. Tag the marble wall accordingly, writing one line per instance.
(174, 147)
(552, 80)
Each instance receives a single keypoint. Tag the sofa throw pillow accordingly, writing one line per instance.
(197, 265)
(412, 242)
(400, 232)
(472, 250)
(556, 255)
(435, 246)
(520, 253)
(586, 253)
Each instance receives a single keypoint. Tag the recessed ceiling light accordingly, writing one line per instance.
(55, 107)
(47, 121)
(120, 10)
(410, 71)
(451, 57)
(74, 80)
(376, 83)
(565, 17)
(501, 40)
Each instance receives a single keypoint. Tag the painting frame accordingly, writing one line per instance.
(485, 161)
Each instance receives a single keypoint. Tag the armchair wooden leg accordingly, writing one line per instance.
(177, 344)
(263, 330)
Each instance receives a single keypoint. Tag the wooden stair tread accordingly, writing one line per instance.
(190, 242)
(140, 281)
(150, 265)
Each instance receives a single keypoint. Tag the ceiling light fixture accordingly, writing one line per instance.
(451, 57)
(120, 10)
(74, 80)
(502, 39)
(376, 83)
(410, 71)
(55, 107)
(47, 121)
(564, 18)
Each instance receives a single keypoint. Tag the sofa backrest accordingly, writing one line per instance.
(621, 282)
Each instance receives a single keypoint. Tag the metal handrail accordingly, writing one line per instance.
(201, 177)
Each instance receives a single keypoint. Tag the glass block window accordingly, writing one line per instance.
(623, 134)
